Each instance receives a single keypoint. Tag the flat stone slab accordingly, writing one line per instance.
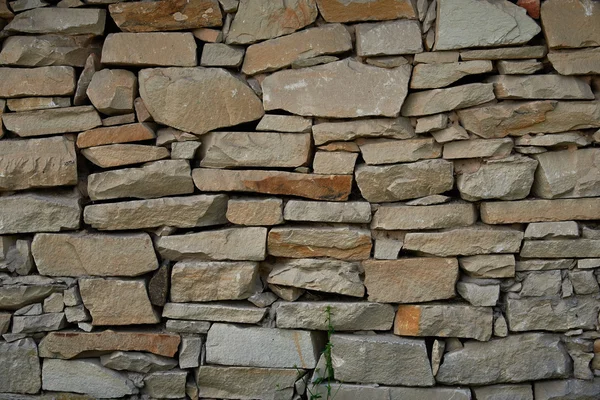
(395, 128)
(238, 312)
(152, 49)
(376, 10)
(540, 211)
(114, 134)
(42, 81)
(436, 101)
(357, 212)
(51, 121)
(400, 217)
(65, 21)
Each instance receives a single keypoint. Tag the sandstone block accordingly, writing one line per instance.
(377, 10)
(181, 212)
(112, 91)
(42, 81)
(518, 67)
(46, 50)
(404, 181)
(242, 313)
(367, 90)
(386, 151)
(565, 139)
(576, 62)
(345, 243)
(539, 211)
(13, 297)
(488, 266)
(65, 21)
(334, 162)
(545, 264)
(255, 212)
(284, 123)
(150, 49)
(432, 76)
(137, 362)
(479, 295)
(19, 367)
(441, 100)
(562, 21)
(552, 230)
(353, 212)
(221, 55)
(584, 248)
(554, 390)
(52, 121)
(395, 128)
(401, 217)
(380, 39)
(37, 103)
(92, 64)
(541, 87)
(410, 280)
(116, 155)
(115, 134)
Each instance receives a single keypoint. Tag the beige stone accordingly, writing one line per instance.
(284, 123)
(385, 151)
(568, 173)
(431, 123)
(465, 241)
(213, 281)
(565, 139)
(376, 10)
(311, 186)
(541, 87)
(64, 21)
(431, 76)
(334, 162)
(401, 217)
(42, 81)
(436, 57)
(92, 64)
(52, 121)
(81, 254)
(584, 248)
(255, 212)
(115, 155)
(387, 61)
(351, 212)
(540, 211)
(394, 128)
(505, 53)
(255, 149)
(115, 134)
(170, 15)
(275, 54)
(315, 91)
(519, 67)
(45, 50)
(451, 133)
(112, 91)
(488, 266)
(263, 19)
(208, 35)
(117, 302)
(236, 244)
(551, 230)
(520, 118)
(198, 100)
(348, 147)
(576, 62)
(37, 103)
(180, 212)
(441, 100)
(381, 38)
(236, 312)
(562, 22)
(344, 243)
(404, 181)
(410, 280)
(150, 49)
(35, 163)
(222, 55)
(157, 179)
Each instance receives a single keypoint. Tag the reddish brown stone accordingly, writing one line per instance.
(74, 344)
(166, 15)
(532, 7)
(114, 134)
(407, 320)
(374, 10)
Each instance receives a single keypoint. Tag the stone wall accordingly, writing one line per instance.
(264, 199)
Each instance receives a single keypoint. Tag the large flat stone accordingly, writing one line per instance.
(401, 217)
(84, 254)
(465, 241)
(540, 211)
(520, 118)
(382, 359)
(517, 358)
(157, 179)
(437, 101)
(371, 392)
(223, 244)
(255, 149)
(562, 22)
(166, 15)
(117, 302)
(404, 181)
(473, 23)
(181, 212)
(565, 388)
(576, 62)
(37, 103)
(40, 212)
(46, 50)
(432, 76)
(52, 121)
(381, 38)
(584, 248)
(345, 316)
(568, 174)
(330, 276)
(275, 54)
(444, 320)
(387, 151)
(410, 280)
(42, 81)
(346, 242)
(19, 367)
(37, 163)
(242, 313)
(314, 91)
(263, 19)
(152, 49)
(394, 128)
(227, 345)
(311, 186)
(198, 100)
(351, 212)
(541, 87)
(211, 281)
(65, 21)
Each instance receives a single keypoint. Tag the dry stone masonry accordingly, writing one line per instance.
(300, 199)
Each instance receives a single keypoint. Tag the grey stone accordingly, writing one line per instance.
(13, 297)
(284, 123)
(431, 123)
(541, 87)
(92, 64)
(52, 121)
(476, 148)
(402, 217)
(38, 323)
(518, 67)
(576, 138)
(479, 295)
(221, 55)
(242, 313)
(504, 392)
(395, 128)
(387, 151)
(137, 362)
(435, 101)
(387, 249)
(165, 384)
(189, 351)
(584, 248)
(185, 150)
(372, 392)
(334, 162)
(183, 326)
(489, 266)
(112, 91)
(432, 76)
(77, 314)
(19, 367)
(588, 263)
(32, 309)
(263, 299)
(381, 38)
(584, 282)
(64, 21)
(567, 389)
(505, 53)
(54, 303)
(545, 283)
(356, 212)
(552, 230)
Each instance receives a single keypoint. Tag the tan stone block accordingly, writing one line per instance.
(255, 212)
(437, 101)
(401, 217)
(116, 155)
(150, 49)
(344, 11)
(117, 134)
(540, 211)
(52, 121)
(42, 81)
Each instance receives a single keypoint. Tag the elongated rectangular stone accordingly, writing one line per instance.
(42, 81)
(227, 345)
(437, 75)
(84, 254)
(465, 241)
(65, 21)
(541, 87)
(346, 243)
(444, 320)
(311, 186)
(555, 390)
(352, 212)
(223, 244)
(505, 53)
(181, 212)
(422, 279)
(381, 38)
(115, 134)
(376, 10)
(371, 392)
(436, 101)
(37, 103)
(47, 50)
(52, 121)
(576, 62)
(400, 217)
(36, 163)
(242, 313)
(385, 151)
(561, 248)
(394, 128)
(212, 281)
(255, 212)
(509, 212)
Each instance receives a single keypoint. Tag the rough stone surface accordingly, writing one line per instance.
(561, 248)
(519, 67)
(61, 21)
(255, 212)
(431, 76)
(242, 313)
(551, 314)
(150, 49)
(284, 123)
(42, 81)
(541, 87)
(380, 39)
(396, 128)
(398, 217)
(357, 212)
(137, 362)
(386, 151)
(539, 211)
(576, 62)
(165, 384)
(576, 388)
(112, 91)
(116, 155)
(562, 21)
(349, 11)
(504, 392)
(551, 230)
(46, 50)
(19, 367)
(441, 100)
(489, 266)
(52, 121)
(37, 103)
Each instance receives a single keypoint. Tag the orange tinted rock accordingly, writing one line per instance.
(357, 10)
(73, 344)
(114, 134)
(532, 7)
(166, 15)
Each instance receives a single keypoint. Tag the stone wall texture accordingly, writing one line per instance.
(300, 199)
